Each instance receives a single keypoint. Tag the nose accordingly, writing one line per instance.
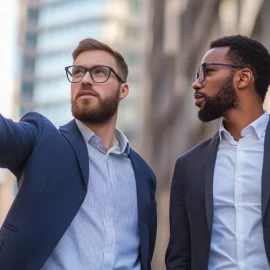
(87, 78)
(197, 85)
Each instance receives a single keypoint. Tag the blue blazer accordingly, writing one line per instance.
(52, 169)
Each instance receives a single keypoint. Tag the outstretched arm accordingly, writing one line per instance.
(178, 253)
(17, 140)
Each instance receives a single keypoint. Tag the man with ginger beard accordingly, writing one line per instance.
(219, 201)
(86, 199)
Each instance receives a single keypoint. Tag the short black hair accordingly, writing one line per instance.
(247, 52)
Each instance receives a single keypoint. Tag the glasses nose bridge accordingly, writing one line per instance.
(87, 70)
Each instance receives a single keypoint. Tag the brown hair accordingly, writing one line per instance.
(90, 44)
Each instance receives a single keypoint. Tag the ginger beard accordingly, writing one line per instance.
(215, 106)
(85, 111)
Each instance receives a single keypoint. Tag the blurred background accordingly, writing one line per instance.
(162, 41)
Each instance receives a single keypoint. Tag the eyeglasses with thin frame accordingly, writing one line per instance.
(99, 74)
(200, 74)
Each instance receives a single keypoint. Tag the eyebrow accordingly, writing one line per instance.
(211, 67)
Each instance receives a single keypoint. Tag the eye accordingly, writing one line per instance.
(100, 71)
(77, 71)
(208, 71)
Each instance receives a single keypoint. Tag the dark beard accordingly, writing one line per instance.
(217, 105)
(106, 109)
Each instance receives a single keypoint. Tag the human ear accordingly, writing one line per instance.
(124, 90)
(244, 78)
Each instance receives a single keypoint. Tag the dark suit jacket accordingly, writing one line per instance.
(52, 168)
(191, 206)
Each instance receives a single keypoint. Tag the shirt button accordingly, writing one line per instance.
(80, 200)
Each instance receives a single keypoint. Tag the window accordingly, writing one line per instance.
(52, 91)
(28, 64)
(68, 37)
(30, 40)
(69, 11)
(27, 90)
(32, 14)
(135, 6)
(52, 65)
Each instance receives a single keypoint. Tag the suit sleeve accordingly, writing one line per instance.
(178, 255)
(17, 140)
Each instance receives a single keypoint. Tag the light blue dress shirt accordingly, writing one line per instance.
(104, 235)
(237, 235)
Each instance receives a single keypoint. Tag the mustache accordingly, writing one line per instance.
(86, 90)
(199, 94)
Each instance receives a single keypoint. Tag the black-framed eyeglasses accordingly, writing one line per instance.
(99, 74)
(201, 73)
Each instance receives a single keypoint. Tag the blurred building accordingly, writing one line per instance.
(51, 29)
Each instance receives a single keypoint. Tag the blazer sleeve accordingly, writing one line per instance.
(178, 254)
(17, 139)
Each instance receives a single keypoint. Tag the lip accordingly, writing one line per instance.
(85, 95)
(199, 98)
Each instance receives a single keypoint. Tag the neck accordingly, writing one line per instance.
(236, 120)
(105, 131)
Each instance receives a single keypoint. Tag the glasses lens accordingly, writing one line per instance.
(75, 74)
(100, 73)
(196, 76)
(201, 73)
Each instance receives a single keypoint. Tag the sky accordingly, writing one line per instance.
(9, 11)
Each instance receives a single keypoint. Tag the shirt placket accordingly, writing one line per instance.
(109, 250)
(238, 203)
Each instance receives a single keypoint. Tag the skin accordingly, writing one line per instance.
(249, 104)
(95, 92)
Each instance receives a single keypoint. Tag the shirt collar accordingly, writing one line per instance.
(259, 127)
(260, 124)
(87, 133)
(124, 144)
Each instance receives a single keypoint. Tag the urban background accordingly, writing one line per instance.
(162, 41)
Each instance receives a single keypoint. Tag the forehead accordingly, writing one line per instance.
(95, 57)
(217, 55)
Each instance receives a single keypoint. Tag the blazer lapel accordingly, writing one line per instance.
(71, 132)
(143, 198)
(266, 171)
(209, 177)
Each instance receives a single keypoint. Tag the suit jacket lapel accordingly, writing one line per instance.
(71, 132)
(143, 198)
(209, 177)
(266, 171)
